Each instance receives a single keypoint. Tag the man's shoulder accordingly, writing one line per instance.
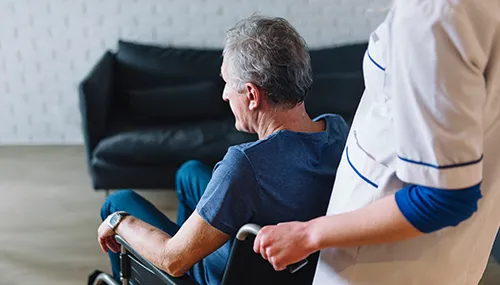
(259, 147)
(337, 128)
(336, 123)
(331, 117)
(246, 147)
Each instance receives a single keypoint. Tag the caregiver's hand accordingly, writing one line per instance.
(284, 244)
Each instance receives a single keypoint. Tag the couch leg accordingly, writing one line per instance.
(107, 193)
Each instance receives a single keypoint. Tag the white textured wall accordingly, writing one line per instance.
(47, 46)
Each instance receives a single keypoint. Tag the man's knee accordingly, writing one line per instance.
(115, 199)
(185, 173)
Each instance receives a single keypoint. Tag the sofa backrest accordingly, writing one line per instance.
(169, 84)
(339, 59)
(337, 93)
(338, 80)
(166, 83)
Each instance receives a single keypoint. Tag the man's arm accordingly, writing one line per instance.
(226, 205)
(175, 255)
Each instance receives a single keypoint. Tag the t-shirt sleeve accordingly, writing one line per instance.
(229, 199)
(436, 78)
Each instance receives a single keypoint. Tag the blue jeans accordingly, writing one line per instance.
(191, 181)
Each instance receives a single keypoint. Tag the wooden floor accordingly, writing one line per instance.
(49, 216)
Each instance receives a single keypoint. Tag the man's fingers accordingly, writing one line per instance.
(112, 245)
(116, 246)
(103, 245)
(109, 245)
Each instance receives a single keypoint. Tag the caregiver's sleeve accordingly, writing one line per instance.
(438, 89)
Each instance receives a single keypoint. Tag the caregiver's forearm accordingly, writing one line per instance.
(377, 223)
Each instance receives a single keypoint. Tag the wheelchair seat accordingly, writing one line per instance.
(244, 267)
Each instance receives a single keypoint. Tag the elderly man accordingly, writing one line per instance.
(286, 175)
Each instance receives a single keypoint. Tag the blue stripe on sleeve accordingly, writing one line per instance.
(431, 209)
(442, 166)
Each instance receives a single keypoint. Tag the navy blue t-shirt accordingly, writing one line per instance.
(286, 177)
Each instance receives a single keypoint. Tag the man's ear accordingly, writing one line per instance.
(254, 96)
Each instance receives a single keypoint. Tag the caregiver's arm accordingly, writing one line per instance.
(414, 210)
(380, 222)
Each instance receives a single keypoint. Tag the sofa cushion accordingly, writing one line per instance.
(116, 176)
(197, 101)
(145, 66)
(206, 141)
(337, 93)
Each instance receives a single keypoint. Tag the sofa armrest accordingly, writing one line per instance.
(164, 277)
(95, 93)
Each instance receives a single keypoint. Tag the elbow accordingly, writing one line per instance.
(174, 266)
(431, 209)
(461, 207)
(175, 271)
(458, 217)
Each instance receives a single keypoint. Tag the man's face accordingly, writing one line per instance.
(239, 103)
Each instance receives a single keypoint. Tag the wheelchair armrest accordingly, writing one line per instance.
(170, 280)
(247, 229)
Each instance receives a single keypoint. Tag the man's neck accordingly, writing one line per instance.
(295, 120)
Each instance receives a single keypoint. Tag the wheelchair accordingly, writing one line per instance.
(244, 267)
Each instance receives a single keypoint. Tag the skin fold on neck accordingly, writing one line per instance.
(295, 120)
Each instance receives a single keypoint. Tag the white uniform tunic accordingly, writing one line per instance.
(430, 115)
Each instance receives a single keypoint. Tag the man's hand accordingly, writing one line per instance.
(284, 244)
(105, 237)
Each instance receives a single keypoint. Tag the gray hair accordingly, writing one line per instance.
(271, 54)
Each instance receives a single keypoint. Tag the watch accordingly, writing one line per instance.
(116, 218)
